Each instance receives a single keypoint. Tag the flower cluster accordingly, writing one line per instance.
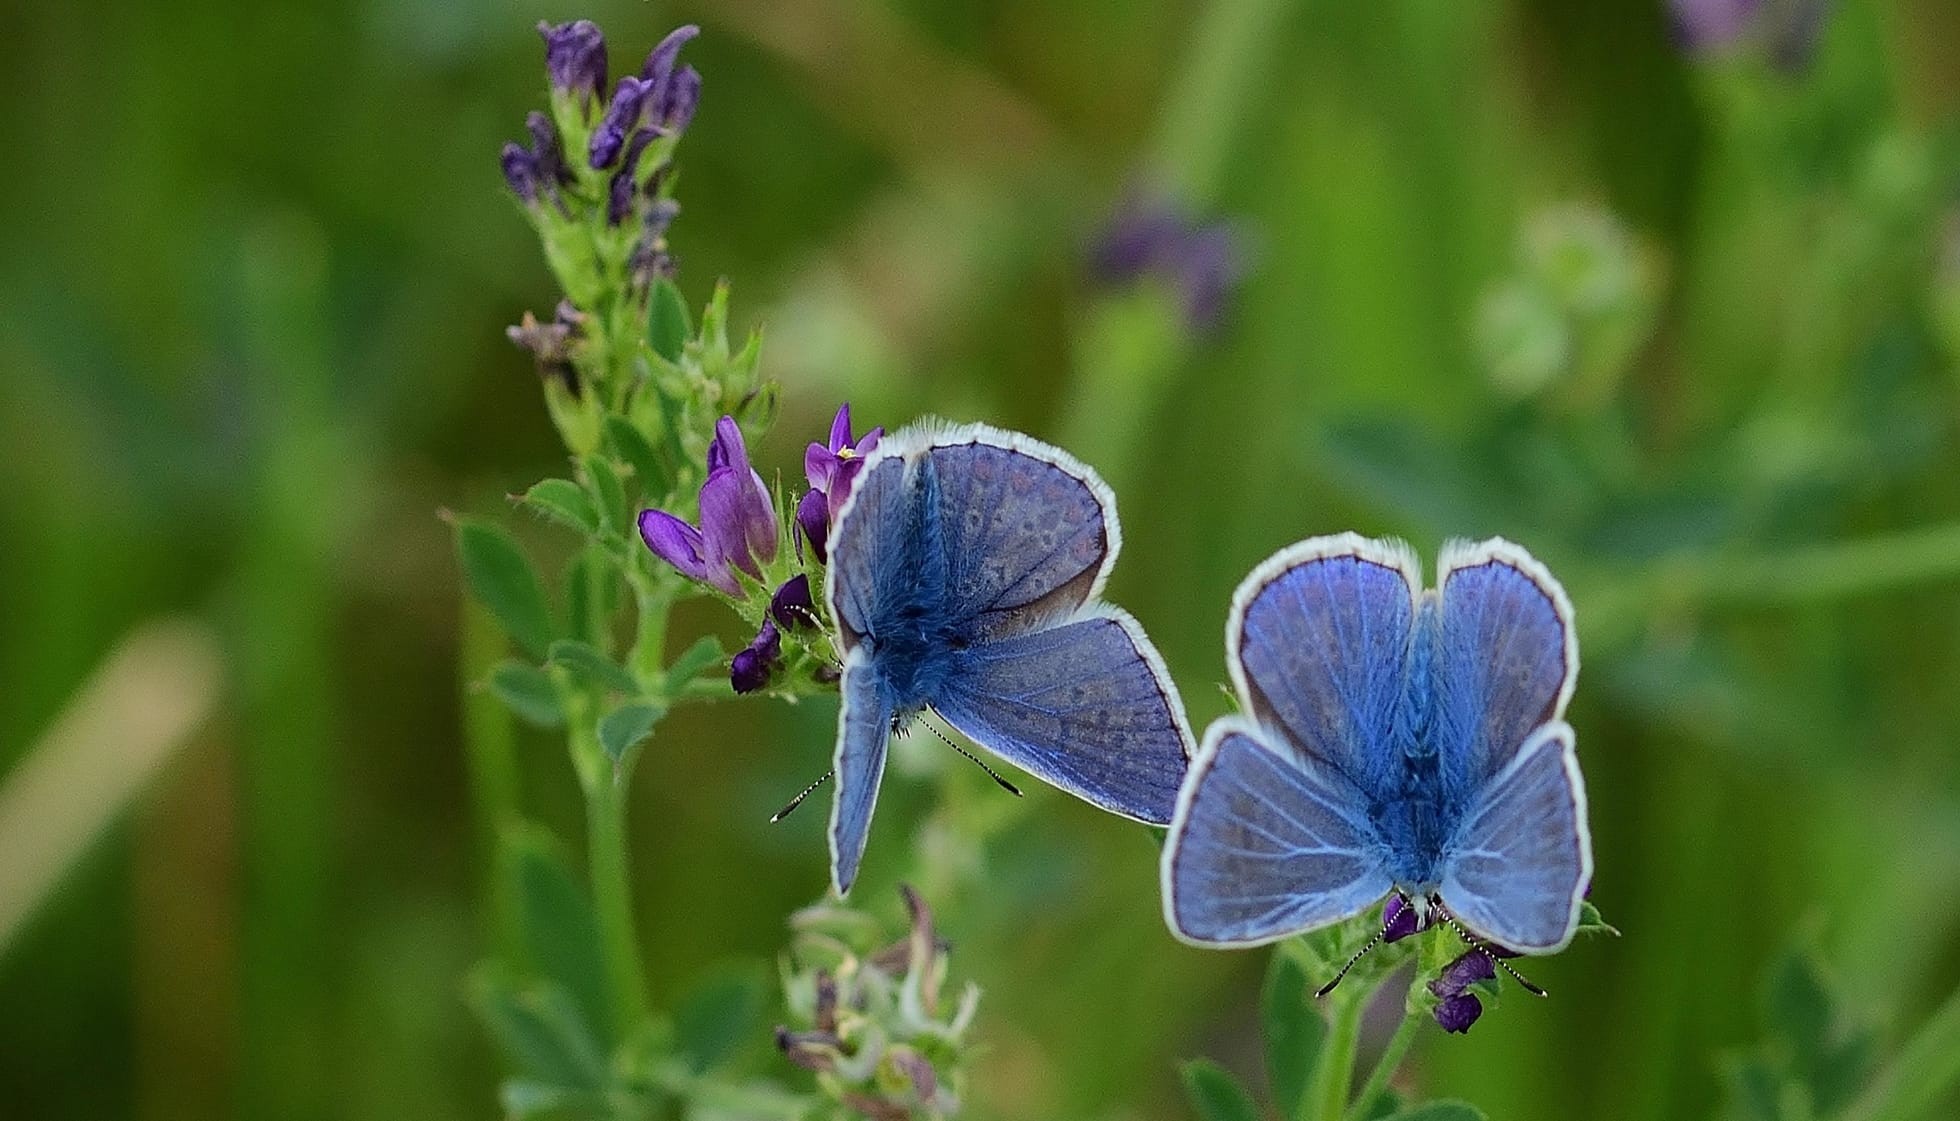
(1149, 236)
(876, 1027)
(1789, 29)
(737, 546)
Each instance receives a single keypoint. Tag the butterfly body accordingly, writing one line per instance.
(1392, 738)
(964, 575)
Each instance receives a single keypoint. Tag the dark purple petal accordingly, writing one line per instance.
(521, 172)
(840, 428)
(620, 190)
(749, 669)
(868, 443)
(1399, 920)
(575, 56)
(813, 521)
(727, 449)
(791, 606)
(623, 115)
(1465, 971)
(1458, 1012)
(546, 147)
(1207, 271)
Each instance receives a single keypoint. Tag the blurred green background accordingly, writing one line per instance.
(1684, 323)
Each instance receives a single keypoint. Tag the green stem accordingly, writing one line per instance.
(1225, 68)
(1336, 1074)
(1385, 1067)
(1926, 1070)
(1823, 572)
(612, 883)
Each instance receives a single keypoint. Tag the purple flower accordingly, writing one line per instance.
(749, 669)
(738, 520)
(623, 114)
(1399, 920)
(540, 169)
(792, 606)
(651, 260)
(661, 96)
(575, 57)
(622, 188)
(1705, 26)
(1152, 236)
(1459, 1012)
(831, 469)
(1467, 970)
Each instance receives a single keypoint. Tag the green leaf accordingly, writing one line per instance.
(592, 667)
(1387, 1103)
(1294, 1032)
(622, 729)
(667, 325)
(609, 492)
(563, 502)
(631, 447)
(723, 1011)
(1216, 1094)
(1440, 1111)
(524, 1099)
(1591, 923)
(705, 652)
(503, 579)
(529, 692)
(559, 930)
(539, 1030)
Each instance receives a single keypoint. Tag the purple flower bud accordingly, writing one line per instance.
(791, 606)
(547, 149)
(521, 172)
(675, 111)
(1399, 920)
(811, 1050)
(622, 188)
(683, 546)
(575, 57)
(749, 669)
(813, 522)
(623, 115)
(1149, 235)
(1458, 1012)
(1467, 970)
(659, 67)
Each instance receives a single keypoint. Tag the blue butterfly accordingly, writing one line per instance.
(964, 573)
(1391, 739)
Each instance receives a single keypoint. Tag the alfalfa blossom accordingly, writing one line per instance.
(1149, 235)
(738, 531)
(830, 468)
(660, 99)
(575, 58)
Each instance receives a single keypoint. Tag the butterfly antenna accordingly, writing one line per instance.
(1352, 962)
(977, 761)
(1480, 944)
(798, 800)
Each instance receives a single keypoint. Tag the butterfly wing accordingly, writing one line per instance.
(1085, 705)
(1030, 532)
(1318, 644)
(863, 731)
(1507, 657)
(1523, 856)
(1266, 843)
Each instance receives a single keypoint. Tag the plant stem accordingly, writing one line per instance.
(612, 884)
(1828, 571)
(1336, 1073)
(492, 760)
(1225, 68)
(1927, 1068)
(1385, 1067)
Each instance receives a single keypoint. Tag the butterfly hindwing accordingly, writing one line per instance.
(1266, 843)
(863, 733)
(1523, 855)
(1085, 705)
